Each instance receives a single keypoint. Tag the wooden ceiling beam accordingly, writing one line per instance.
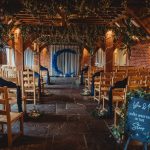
(73, 16)
(93, 23)
(35, 19)
(117, 19)
(109, 10)
(45, 24)
(28, 42)
(132, 14)
(76, 21)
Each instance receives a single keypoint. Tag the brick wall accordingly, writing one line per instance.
(140, 55)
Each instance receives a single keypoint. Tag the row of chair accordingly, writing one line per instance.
(7, 117)
(28, 83)
(123, 71)
(106, 81)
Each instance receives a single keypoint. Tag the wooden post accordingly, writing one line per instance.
(109, 45)
(37, 62)
(19, 51)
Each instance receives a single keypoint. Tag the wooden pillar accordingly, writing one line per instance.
(37, 62)
(45, 58)
(19, 51)
(109, 49)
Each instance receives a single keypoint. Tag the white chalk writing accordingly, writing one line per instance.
(144, 106)
(136, 105)
(137, 126)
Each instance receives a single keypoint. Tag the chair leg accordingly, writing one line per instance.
(103, 103)
(145, 146)
(115, 119)
(24, 104)
(34, 94)
(9, 134)
(127, 143)
(2, 128)
(21, 126)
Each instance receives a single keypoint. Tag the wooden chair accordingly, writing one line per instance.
(1, 72)
(6, 70)
(29, 85)
(135, 82)
(144, 71)
(118, 97)
(7, 117)
(117, 78)
(122, 69)
(91, 71)
(15, 77)
(104, 85)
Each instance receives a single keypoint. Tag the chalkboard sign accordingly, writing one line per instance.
(138, 119)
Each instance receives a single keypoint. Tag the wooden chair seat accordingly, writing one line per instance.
(13, 117)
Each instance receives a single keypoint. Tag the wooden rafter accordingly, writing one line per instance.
(132, 13)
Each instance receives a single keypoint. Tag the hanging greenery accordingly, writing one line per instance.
(82, 7)
(81, 35)
(129, 35)
(10, 7)
(85, 35)
(5, 32)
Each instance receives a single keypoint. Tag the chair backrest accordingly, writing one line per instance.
(4, 101)
(134, 80)
(105, 82)
(36, 68)
(119, 74)
(120, 93)
(121, 69)
(117, 78)
(28, 80)
(144, 71)
(106, 78)
(13, 76)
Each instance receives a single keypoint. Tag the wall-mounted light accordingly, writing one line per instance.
(109, 32)
(17, 32)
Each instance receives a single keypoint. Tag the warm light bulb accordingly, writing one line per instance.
(109, 32)
(17, 32)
